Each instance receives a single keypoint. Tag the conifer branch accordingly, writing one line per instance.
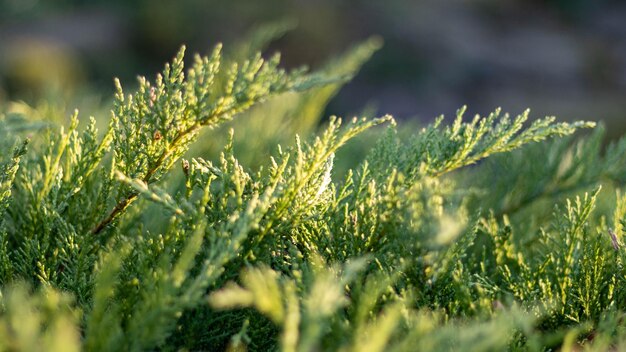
(157, 124)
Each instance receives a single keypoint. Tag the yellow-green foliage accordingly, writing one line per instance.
(469, 236)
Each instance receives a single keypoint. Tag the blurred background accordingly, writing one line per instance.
(558, 57)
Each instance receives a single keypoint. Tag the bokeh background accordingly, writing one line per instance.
(558, 57)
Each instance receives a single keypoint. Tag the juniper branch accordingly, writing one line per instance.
(145, 144)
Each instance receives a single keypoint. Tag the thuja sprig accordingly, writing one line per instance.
(154, 127)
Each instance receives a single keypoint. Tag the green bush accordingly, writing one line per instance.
(468, 236)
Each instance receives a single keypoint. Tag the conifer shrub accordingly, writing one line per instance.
(482, 234)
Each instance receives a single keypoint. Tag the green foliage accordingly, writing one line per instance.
(44, 318)
(470, 236)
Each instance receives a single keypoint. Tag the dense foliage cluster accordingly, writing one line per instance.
(467, 236)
